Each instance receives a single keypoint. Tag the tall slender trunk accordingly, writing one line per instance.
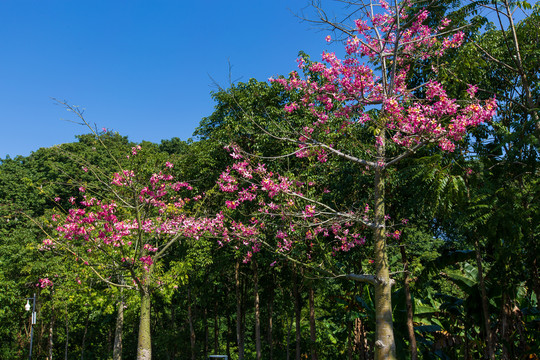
(84, 335)
(289, 330)
(258, 349)
(67, 335)
(312, 329)
(192, 338)
(270, 322)
(360, 343)
(229, 332)
(239, 315)
(485, 310)
(51, 333)
(297, 312)
(206, 332)
(408, 303)
(505, 320)
(385, 346)
(144, 347)
(535, 281)
(117, 348)
(216, 324)
(174, 347)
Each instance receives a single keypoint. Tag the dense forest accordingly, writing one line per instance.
(381, 203)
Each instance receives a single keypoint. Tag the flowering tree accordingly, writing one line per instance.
(360, 110)
(123, 236)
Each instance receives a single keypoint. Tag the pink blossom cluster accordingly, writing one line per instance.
(44, 283)
(150, 248)
(47, 244)
(113, 227)
(244, 234)
(422, 121)
(276, 197)
(337, 90)
(123, 179)
(263, 187)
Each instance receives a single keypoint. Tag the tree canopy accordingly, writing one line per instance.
(378, 204)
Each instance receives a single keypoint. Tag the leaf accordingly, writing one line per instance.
(447, 258)
(427, 328)
(421, 308)
(464, 281)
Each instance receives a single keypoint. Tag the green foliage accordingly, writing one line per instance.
(486, 193)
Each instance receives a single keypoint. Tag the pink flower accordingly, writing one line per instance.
(231, 204)
(44, 283)
(291, 107)
(146, 260)
(309, 211)
(472, 90)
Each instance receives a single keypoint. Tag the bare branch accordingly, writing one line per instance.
(491, 57)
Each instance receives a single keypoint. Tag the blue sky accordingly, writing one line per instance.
(141, 68)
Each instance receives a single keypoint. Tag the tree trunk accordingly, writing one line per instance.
(192, 338)
(312, 329)
(360, 343)
(270, 323)
(239, 315)
(505, 320)
(535, 281)
(408, 302)
(144, 347)
(258, 349)
(297, 313)
(51, 333)
(174, 347)
(359, 333)
(229, 332)
(384, 334)
(206, 332)
(385, 346)
(289, 330)
(485, 310)
(67, 335)
(216, 324)
(117, 348)
(84, 335)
